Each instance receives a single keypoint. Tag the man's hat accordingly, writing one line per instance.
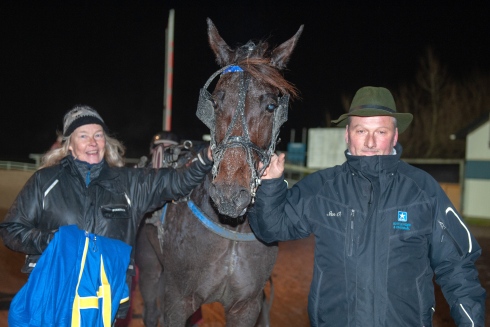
(375, 101)
(81, 115)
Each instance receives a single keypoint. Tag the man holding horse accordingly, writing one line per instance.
(382, 229)
(84, 194)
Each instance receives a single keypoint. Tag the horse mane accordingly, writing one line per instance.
(257, 61)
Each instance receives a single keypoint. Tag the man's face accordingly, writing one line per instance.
(371, 136)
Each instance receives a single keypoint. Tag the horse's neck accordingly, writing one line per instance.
(200, 197)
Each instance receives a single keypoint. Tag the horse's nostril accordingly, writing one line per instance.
(212, 191)
(242, 199)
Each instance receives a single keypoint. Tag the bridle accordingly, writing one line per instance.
(205, 112)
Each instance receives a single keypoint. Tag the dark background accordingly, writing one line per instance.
(111, 55)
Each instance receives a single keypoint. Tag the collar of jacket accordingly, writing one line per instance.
(374, 165)
(106, 172)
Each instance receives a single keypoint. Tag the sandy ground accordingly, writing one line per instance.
(291, 280)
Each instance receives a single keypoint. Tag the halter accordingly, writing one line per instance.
(205, 112)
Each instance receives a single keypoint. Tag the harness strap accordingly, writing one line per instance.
(217, 228)
(209, 224)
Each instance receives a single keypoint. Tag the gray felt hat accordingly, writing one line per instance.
(375, 101)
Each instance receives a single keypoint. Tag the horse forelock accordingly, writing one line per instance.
(262, 70)
(256, 60)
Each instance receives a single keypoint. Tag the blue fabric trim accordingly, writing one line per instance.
(217, 228)
(232, 69)
(87, 178)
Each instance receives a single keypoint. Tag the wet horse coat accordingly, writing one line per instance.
(199, 265)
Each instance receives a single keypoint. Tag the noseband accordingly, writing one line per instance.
(205, 112)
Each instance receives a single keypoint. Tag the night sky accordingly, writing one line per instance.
(111, 55)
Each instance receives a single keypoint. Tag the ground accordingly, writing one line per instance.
(291, 280)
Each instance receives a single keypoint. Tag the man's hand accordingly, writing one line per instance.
(275, 168)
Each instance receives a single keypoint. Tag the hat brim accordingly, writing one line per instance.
(403, 119)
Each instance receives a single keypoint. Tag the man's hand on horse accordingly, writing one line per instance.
(275, 168)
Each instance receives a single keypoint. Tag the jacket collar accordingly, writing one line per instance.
(106, 172)
(374, 165)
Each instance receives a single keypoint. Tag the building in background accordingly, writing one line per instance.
(477, 168)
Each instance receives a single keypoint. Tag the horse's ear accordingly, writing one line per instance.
(223, 52)
(280, 55)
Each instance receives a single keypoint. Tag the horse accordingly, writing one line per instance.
(203, 248)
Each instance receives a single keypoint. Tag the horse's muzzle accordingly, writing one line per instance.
(230, 200)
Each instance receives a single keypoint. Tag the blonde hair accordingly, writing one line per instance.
(114, 152)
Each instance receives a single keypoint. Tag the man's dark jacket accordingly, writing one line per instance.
(382, 229)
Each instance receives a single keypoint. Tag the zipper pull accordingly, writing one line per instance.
(94, 247)
(352, 219)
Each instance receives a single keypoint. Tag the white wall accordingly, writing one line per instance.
(476, 198)
(477, 143)
(326, 147)
(476, 202)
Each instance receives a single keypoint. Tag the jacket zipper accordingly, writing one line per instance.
(350, 233)
(446, 231)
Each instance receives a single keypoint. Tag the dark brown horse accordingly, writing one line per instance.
(205, 245)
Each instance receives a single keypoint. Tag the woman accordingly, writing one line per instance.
(85, 183)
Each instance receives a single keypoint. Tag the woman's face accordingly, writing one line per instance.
(88, 143)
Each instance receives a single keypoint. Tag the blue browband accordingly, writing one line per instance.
(232, 69)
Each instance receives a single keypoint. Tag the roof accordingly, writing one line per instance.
(462, 133)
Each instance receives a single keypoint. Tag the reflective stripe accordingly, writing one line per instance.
(127, 198)
(49, 189)
(467, 315)
(470, 244)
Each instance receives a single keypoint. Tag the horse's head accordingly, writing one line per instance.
(244, 113)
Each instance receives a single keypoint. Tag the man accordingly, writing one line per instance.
(382, 229)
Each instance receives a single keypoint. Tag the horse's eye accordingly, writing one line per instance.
(217, 98)
(271, 107)
(214, 103)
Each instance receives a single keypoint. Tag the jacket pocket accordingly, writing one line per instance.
(349, 235)
(115, 211)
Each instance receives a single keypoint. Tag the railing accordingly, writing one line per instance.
(11, 165)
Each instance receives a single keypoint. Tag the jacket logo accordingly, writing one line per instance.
(334, 214)
(402, 222)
